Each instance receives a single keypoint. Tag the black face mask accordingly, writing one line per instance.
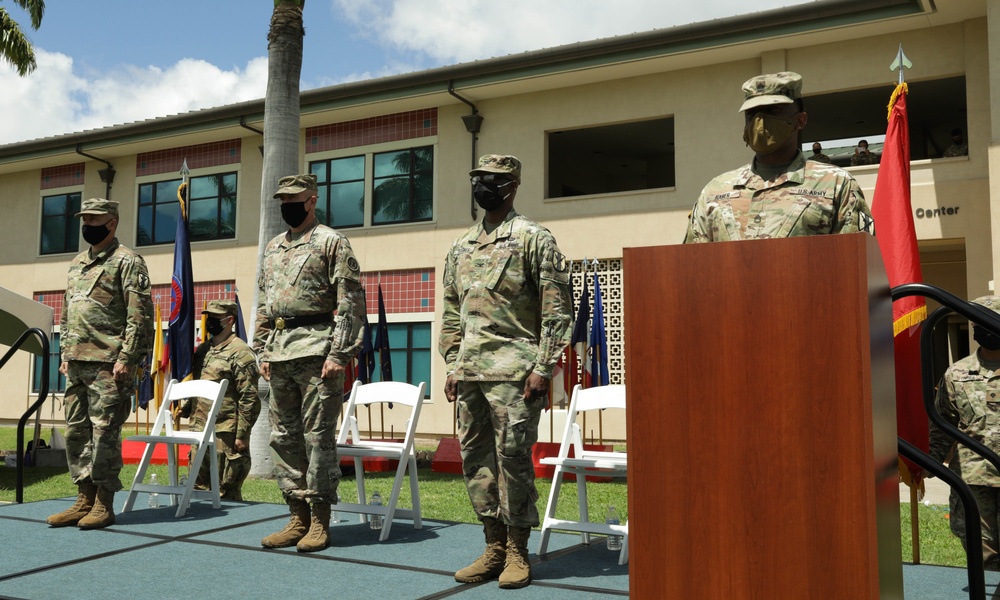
(213, 326)
(294, 213)
(489, 195)
(986, 339)
(95, 234)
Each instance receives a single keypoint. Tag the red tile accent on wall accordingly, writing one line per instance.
(373, 130)
(63, 175)
(203, 292)
(198, 156)
(402, 291)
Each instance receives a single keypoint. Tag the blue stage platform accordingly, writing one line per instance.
(150, 554)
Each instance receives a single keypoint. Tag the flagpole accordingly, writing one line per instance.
(597, 353)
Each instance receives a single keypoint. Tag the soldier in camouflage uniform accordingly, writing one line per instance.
(227, 357)
(968, 397)
(862, 156)
(780, 193)
(506, 320)
(105, 333)
(303, 346)
(958, 145)
(818, 155)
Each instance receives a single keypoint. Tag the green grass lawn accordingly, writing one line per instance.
(443, 497)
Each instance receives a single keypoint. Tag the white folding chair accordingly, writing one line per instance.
(365, 395)
(585, 462)
(163, 433)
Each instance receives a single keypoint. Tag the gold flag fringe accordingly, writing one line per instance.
(909, 320)
(906, 477)
(900, 89)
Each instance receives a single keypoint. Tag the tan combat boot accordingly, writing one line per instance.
(491, 563)
(517, 573)
(318, 537)
(296, 529)
(103, 513)
(72, 515)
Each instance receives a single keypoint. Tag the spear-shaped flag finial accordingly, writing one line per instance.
(901, 63)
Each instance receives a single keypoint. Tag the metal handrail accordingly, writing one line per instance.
(43, 393)
(982, 316)
(973, 530)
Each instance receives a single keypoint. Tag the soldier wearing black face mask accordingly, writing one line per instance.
(308, 275)
(968, 397)
(506, 319)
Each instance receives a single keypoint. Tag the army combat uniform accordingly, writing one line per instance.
(808, 198)
(107, 317)
(305, 277)
(233, 361)
(969, 398)
(507, 308)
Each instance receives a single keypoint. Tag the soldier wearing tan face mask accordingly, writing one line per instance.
(779, 193)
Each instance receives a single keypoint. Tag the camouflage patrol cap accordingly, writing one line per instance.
(773, 88)
(499, 163)
(293, 184)
(220, 309)
(98, 206)
(990, 302)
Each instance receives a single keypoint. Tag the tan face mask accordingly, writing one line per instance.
(765, 133)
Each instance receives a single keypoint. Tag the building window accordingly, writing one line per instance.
(403, 186)
(57, 381)
(341, 195)
(611, 158)
(60, 229)
(411, 354)
(213, 209)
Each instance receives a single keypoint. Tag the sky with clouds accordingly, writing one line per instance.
(105, 62)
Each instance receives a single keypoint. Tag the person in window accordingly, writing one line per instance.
(958, 147)
(780, 193)
(862, 156)
(226, 357)
(307, 273)
(818, 155)
(106, 331)
(506, 320)
(968, 397)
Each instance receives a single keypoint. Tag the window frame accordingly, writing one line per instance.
(409, 319)
(229, 169)
(69, 231)
(369, 152)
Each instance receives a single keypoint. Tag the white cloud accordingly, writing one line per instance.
(451, 31)
(56, 99)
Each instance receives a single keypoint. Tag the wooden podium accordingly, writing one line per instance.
(761, 421)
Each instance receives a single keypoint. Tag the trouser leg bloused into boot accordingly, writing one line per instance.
(81, 508)
(103, 513)
(318, 536)
(491, 563)
(295, 530)
(517, 572)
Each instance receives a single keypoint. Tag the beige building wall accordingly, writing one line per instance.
(699, 89)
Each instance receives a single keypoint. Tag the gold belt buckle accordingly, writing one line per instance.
(279, 323)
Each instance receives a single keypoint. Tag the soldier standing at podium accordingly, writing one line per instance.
(968, 397)
(779, 194)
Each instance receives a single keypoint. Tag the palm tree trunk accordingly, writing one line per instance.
(281, 157)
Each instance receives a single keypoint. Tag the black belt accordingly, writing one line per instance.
(280, 323)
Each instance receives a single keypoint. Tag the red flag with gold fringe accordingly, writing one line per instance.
(897, 240)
